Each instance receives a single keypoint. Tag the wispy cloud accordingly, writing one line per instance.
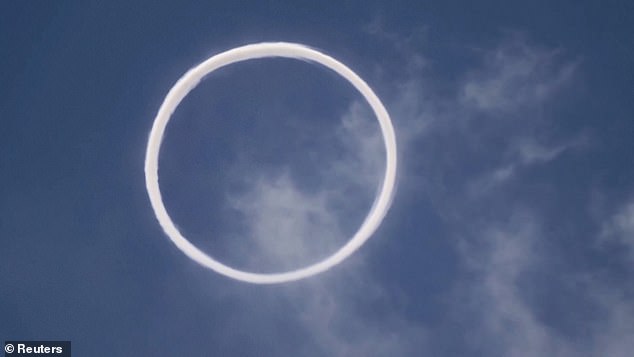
(286, 226)
(613, 334)
(515, 75)
(521, 154)
(619, 230)
(292, 228)
(505, 323)
(499, 243)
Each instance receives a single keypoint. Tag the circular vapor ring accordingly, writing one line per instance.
(279, 49)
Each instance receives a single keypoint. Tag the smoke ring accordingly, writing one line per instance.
(190, 80)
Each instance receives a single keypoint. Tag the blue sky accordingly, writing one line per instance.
(511, 233)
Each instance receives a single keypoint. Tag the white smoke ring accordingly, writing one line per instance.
(261, 50)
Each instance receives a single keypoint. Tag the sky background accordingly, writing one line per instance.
(511, 233)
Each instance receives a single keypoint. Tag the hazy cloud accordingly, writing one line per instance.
(619, 229)
(515, 75)
(499, 243)
(294, 227)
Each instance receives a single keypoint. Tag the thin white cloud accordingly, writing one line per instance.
(286, 225)
(619, 229)
(501, 244)
(515, 75)
(332, 312)
(362, 163)
(613, 335)
(522, 154)
(515, 80)
(500, 320)
(532, 152)
(505, 323)
(292, 227)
